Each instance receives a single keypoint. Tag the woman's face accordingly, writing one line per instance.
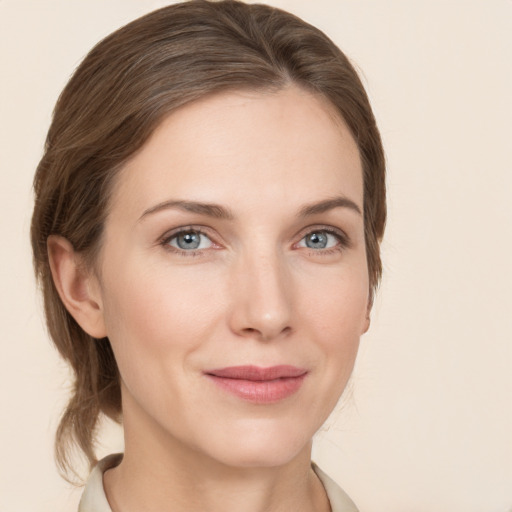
(234, 285)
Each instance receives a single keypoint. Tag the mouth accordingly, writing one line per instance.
(259, 385)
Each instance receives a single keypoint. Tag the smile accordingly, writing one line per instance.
(259, 385)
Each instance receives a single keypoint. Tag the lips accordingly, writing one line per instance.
(259, 385)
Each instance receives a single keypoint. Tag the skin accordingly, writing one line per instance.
(252, 293)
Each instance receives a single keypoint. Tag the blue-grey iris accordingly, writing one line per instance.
(189, 240)
(316, 240)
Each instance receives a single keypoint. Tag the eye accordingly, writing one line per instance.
(321, 239)
(189, 240)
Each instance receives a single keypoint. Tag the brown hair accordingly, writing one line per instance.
(113, 102)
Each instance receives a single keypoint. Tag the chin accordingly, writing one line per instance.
(261, 445)
(266, 458)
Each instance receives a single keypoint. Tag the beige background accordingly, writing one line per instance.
(428, 425)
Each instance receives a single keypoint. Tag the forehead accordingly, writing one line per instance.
(261, 145)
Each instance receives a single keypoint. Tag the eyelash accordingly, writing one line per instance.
(341, 237)
(166, 239)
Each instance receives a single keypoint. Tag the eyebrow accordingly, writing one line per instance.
(329, 204)
(220, 212)
(208, 209)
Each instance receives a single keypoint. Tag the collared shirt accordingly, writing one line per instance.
(94, 499)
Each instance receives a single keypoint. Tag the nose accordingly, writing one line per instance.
(261, 298)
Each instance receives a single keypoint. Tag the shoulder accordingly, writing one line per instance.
(93, 498)
(338, 498)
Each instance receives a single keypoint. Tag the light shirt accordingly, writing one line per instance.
(94, 499)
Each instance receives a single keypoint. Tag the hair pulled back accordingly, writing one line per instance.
(113, 102)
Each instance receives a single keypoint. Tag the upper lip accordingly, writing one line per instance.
(257, 373)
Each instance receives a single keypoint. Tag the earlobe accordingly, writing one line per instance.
(78, 289)
(367, 319)
(366, 324)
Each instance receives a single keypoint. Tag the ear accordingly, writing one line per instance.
(78, 288)
(367, 320)
(366, 324)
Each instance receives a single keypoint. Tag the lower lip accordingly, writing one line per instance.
(260, 392)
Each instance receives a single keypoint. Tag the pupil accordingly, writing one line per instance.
(189, 241)
(317, 241)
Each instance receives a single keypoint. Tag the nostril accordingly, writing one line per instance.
(266, 334)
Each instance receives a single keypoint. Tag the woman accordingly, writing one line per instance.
(206, 232)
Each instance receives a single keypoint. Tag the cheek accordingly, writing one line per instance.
(335, 316)
(155, 315)
(156, 321)
(337, 304)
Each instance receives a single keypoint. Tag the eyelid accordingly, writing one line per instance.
(344, 239)
(173, 233)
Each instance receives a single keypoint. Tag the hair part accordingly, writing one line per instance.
(120, 93)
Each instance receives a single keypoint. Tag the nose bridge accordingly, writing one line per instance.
(263, 306)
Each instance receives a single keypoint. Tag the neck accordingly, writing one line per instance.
(160, 474)
(269, 490)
